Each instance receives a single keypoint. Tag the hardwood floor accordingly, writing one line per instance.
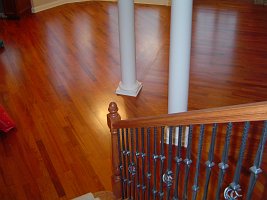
(60, 68)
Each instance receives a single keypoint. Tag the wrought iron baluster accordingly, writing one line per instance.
(188, 162)
(132, 167)
(137, 154)
(143, 155)
(148, 164)
(162, 158)
(168, 176)
(255, 170)
(155, 157)
(232, 191)
(223, 165)
(178, 160)
(124, 153)
(195, 187)
(120, 163)
(129, 183)
(210, 163)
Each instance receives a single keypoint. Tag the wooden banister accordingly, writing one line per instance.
(133, 161)
(112, 118)
(238, 113)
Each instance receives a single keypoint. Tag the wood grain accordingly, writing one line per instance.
(113, 117)
(239, 113)
(50, 168)
(60, 69)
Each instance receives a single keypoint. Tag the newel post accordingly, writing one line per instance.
(112, 117)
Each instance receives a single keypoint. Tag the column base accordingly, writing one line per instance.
(132, 93)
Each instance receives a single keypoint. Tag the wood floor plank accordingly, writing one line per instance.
(51, 170)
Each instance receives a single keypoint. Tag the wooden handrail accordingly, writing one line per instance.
(238, 113)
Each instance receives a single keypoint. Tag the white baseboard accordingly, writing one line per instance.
(154, 2)
(56, 3)
(46, 6)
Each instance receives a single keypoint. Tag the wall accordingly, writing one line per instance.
(39, 5)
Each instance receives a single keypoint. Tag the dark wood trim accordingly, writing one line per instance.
(112, 118)
(14, 9)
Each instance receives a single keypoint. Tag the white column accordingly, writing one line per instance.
(179, 61)
(129, 85)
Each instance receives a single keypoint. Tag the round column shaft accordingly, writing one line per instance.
(180, 46)
(129, 85)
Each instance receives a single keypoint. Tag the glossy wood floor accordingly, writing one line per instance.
(60, 68)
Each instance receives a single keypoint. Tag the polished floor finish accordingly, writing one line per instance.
(60, 68)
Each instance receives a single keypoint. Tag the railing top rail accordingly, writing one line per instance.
(237, 113)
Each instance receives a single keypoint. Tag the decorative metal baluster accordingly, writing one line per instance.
(223, 165)
(162, 158)
(168, 176)
(188, 162)
(143, 155)
(210, 163)
(120, 162)
(124, 153)
(132, 167)
(255, 169)
(137, 154)
(195, 187)
(178, 160)
(232, 191)
(155, 157)
(128, 163)
(148, 164)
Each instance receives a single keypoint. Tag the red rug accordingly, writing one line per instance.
(6, 123)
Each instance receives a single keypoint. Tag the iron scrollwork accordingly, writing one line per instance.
(132, 169)
(230, 193)
(168, 178)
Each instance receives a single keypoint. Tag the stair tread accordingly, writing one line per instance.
(88, 196)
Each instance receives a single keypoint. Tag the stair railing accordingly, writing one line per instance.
(147, 166)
